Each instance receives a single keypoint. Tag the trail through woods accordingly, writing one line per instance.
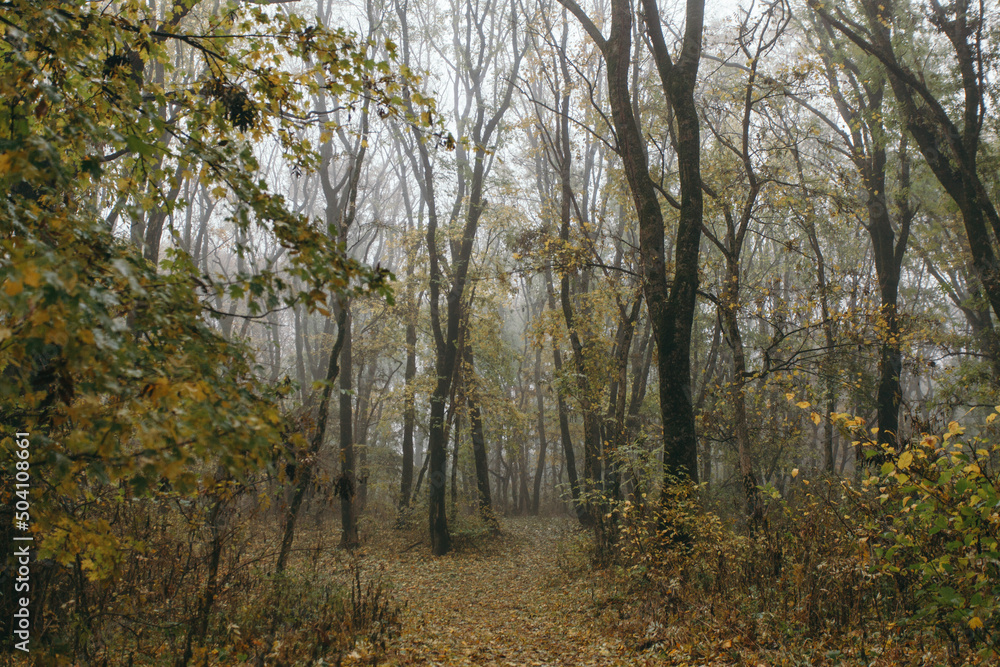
(505, 603)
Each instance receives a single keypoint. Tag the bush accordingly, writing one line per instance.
(304, 617)
(941, 536)
(884, 569)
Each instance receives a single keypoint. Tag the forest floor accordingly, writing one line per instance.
(500, 600)
(529, 597)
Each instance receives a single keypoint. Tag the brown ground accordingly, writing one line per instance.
(499, 601)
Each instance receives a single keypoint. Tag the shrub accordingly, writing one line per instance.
(941, 536)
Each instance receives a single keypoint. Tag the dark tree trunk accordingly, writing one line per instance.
(347, 480)
(363, 415)
(304, 472)
(542, 444)
(484, 502)
(865, 138)
(409, 414)
(671, 304)
(950, 148)
(454, 463)
(524, 506)
(615, 433)
(569, 455)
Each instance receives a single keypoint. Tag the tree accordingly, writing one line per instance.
(671, 303)
(950, 146)
(757, 37)
(859, 99)
(121, 367)
(480, 123)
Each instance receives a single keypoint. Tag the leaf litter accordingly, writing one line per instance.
(499, 600)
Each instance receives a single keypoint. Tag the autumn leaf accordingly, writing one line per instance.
(905, 459)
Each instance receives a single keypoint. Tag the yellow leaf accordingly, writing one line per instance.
(789, 396)
(816, 419)
(991, 418)
(975, 623)
(954, 428)
(803, 404)
(905, 460)
(795, 472)
(31, 277)
(160, 388)
(57, 335)
(13, 287)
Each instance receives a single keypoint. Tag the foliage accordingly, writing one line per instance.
(940, 535)
(307, 616)
(111, 356)
(141, 609)
(108, 360)
(831, 573)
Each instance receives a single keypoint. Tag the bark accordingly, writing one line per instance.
(949, 147)
(707, 377)
(300, 366)
(484, 502)
(588, 394)
(347, 483)
(615, 433)
(304, 473)
(542, 443)
(481, 131)
(409, 413)
(410, 370)
(671, 305)
(753, 504)
(454, 464)
(363, 415)
(524, 498)
(569, 455)
(866, 141)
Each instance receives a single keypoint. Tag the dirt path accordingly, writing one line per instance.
(504, 604)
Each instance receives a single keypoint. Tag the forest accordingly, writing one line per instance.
(499, 332)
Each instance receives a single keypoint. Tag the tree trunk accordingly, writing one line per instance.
(565, 437)
(304, 473)
(347, 480)
(542, 444)
(454, 463)
(484, 502)
(754, 506)
(409, 414)
(671, 305)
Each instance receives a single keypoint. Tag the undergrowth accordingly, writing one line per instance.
(160, 601)
(901, 569)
